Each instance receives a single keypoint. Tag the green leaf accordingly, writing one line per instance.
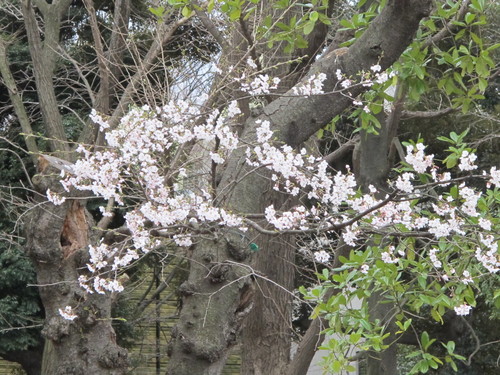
(354, 338)
(482, 84)
(283, 26)
(451, 161)
(309, 27)
(320, 133)
(477, 5)
(347, 24)
(210, 6)
(436, 316)
(300, 42)
(450, 346)
(407, 324)
(424, 367)
(494, 46)
(469, 17)
(326, 274)
(336, 366)
(304, 5)
(424, 338)
(422, 281)
(235, 14)
(186, 12)
(158, 11)
(365, 324)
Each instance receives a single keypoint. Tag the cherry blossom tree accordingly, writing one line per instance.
(231, 179)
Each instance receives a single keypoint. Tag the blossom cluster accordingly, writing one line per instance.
(262, 84)
(68, 313)
(417, 159)
(321, 256)
(312, 86)
(337, 200)
(55, 198)
(132, 168)
(131, 165)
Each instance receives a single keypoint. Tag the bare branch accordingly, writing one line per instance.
(476, 339)
(108, 215)
(341, 151)
(406, 115)
(103, 104)
(82, 76)
(164, 35)
(212, 29)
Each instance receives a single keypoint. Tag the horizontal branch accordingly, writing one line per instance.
(295, 119)
(341, 151)
(406, 115)
(329, 228)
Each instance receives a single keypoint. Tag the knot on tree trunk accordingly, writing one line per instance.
(113, 357)
(69, 369)
(187, 289)
(237, 245)
(56, 328)
(220, 273)
(210, 353)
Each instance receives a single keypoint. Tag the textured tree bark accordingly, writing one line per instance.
(206, 329)
(58, 237)
(216, 298)
(267, 334)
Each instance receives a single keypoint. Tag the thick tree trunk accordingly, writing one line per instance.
(58, 237)
(216, 298)
(267, 335)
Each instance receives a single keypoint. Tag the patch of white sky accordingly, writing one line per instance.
(192, 79)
